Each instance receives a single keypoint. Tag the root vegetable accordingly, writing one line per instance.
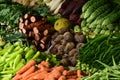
(21, 20)
(69, 46)
(45, 64)
(55, 35)
(79, 45)
(53, 49)
(17, 77)
(63, 30)
(45, 32)
(24, 31)
(26, 16)
(26, 67)
(79, 73)
(61, 48)
(72, 77)
(73, 60)
(58, 38)
(35, 30)
(68, 36)
(31, 34)
(37, 37)
(26, 22)
(63, 42)
(31, 75)
(21, 25)
(50, 77)
(35, 18)
(70, 72)
(43, 68)
(56, 73)
(79, 37)
(62, 78)
(65, 62)
(29, 71)
(41, 75)
(59, 68)
(59, 53)
(73, 52)
(42, 46)
(44, 39)
(20, 30)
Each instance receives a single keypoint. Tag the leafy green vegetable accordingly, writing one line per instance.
(9, 18)
(116, 1)
(41, 10)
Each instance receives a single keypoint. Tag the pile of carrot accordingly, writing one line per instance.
(43, 71)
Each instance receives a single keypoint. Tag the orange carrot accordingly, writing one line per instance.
(62, 78)
(45, 63)
(31, 78)
(31, 75)
(56, 73)
(60, 68)
(70, 72)
(50, 77)
(41, 75)
(71, 77)
(26, 67)
(29, 71)
(42, 68)
(17, 77)
(65, 72)
(79, 74)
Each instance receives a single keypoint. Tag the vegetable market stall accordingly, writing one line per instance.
(59, 40)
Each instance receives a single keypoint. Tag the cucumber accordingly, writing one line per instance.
(97, 12)
(93, 7)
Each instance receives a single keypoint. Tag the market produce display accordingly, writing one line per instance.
(43, 71)
(71, 9)
(59, 40)
(100, 17)
(37, 30)
(66, 44)
(109, 73)
(15, 56)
